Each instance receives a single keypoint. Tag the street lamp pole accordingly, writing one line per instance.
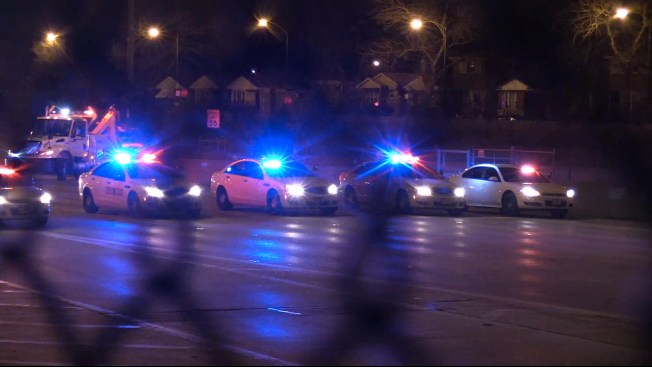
(263, 22)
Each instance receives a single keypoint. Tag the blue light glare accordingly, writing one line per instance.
(122, 158)
(272, 164)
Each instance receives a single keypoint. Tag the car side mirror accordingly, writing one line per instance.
(493, 179)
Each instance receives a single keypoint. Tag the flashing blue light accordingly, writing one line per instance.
(403, 158)
(122, 158)
(272, 164)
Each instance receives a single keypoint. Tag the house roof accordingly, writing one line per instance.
(393, 81)
(168, 83)
(514, 85)
(204, 82)
(257, 81)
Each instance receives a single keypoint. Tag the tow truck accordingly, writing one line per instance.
(69, 142)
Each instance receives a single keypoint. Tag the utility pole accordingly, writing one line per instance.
(130, 42)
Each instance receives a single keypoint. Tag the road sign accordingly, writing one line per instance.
(213, 119)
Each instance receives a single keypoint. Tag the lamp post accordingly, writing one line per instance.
(264, 23)
(417, 24)
(154, 32)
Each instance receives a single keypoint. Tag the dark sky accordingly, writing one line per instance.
(317, 29)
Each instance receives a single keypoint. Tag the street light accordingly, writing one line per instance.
(154, 32)
(264, 23)
(51, 38)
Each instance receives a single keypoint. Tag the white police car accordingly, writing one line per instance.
(274, 184)
(143, 186)
(512, 189)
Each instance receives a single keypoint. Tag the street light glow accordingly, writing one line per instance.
(153, 32)
(51, 37)
(262, 22)
(621, 13)
(376, 63)
(416, 24)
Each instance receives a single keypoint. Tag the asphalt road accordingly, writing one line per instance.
(247, 288)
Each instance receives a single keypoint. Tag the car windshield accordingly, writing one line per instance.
(54, 127)
(400, 170)
(158, 172)
(291, 169)
(514, 174)
(16, 179)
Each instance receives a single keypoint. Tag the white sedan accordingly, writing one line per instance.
(512, 189)
(274, 184)
(141, 187)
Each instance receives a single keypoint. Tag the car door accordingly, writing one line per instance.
(235, 182)
(115, 192)
(491, 190)
(472, 181)
(97, 182)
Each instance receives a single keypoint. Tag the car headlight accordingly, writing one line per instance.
(459, 192)
(424, 191)
(570, 193)
(195, 191)
(46, 198)
(530, 191)
(154, 192)
(3, 200)
(295, 189)
(332, 189)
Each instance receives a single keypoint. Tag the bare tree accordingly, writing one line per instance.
(624, 28)
(422, 47)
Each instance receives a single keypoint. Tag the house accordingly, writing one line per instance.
(394, 92)
(262, 95)
(169, 88)
(204, 90)
(511, 99)
(467, 83)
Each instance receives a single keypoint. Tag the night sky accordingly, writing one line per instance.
(317, 30)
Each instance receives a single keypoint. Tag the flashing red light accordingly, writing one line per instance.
(528, 170)
(376, 104)
(148, 158)
(6, 171)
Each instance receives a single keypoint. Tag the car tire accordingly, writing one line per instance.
(194, 213)
(40, 222)
(133, 203)
(402, 203)
(63, 166)
(509, 205)
(455, 212)
(328, 211)
(88, 203)
(350, 198)
(222, 199)
(274, 205)
(559, 213)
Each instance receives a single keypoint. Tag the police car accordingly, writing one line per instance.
(276, 184)
(142, 186)
(21, 200)
(513, 189)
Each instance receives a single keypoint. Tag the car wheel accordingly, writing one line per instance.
(63, 167)
(133, 203)
(510, 205)
(402, 202)
(40, 222)
(194, 213)
(455, 212)
(560, 213)
(222, 199)
(88, 202)
(274, 203)
(350, 198)
(328, 211)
